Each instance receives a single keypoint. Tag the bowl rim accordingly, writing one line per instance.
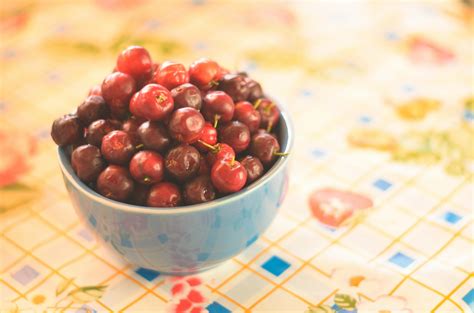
(66, 170)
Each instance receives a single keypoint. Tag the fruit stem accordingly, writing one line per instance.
(269, 127)
(269, 107)
(232, 162)
(214, 83)
(280, 153)
(146, 179)
(257, 103)
(161, 98)
(139, 146)
(205, 144)
(216, 120)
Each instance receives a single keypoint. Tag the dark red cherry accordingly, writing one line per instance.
(235, 86)
(95, 90)
(186, 125)
(147, 167)
(255, 90)
(199, 190)
(204, 168)
(87, 162)
(246, 113)
(236, 134)
(182, 162)
(92, 109)
(207, 138)
(117, 147)
(218, 106)
(135, 61)
(140, 194)
(265, 147)
(130, 126)
(117, 90)
(98, 129)
(254, 168)
(171, 74)
(67, 130)
(187, 95)
(115, 183)
(204, 73)
(154, 136)
(164, 195)
(269, 113)
(228, 176)
(220, 151)
(154, 102)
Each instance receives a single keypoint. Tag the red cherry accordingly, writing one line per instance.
(115, 183)
(235, 134)
(186, 125)
(204, 73)
(254, 168)
(98, 129)
(171, 74)
(204, 168)
(246, 113)
(154, 136)
(164, 195)
(117, 89)
(147, 167)
(135, 61)
(228, 176)
(130, 126)
(154, 102)
(95, 90)
(218, 106)
(208, 137)
(221, 151)
(140, 194)
(87, 162)
(117, 147)
(269, 113)
(265, 147)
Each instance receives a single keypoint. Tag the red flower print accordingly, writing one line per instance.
(187, 295)
(422, 50)
(15, 152)
(334, 207)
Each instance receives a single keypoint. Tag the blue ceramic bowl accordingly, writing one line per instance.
(186, 239)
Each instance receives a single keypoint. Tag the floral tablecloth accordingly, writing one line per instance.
(378, 217)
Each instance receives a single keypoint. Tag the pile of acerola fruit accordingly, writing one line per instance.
(162, 135)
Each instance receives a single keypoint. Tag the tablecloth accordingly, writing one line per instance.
(378, 215)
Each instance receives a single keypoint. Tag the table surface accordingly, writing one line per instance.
(378, 215)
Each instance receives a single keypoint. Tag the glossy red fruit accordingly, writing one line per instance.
(117, 147)
(87, 162)
(265, 147)
(115, 183)
(186, 125)
(187, 95)
(154, 102)
(255, 90)
(117, 90)
(92, 109)
(204, 73)
(208, 137)
(67, 130)
(98, 129)
(235, 86)
(221, 151)
(135, 61)
(164, 195)
(236, 134)
(130, 126)
(171, 74)
(182, 162)
(218, 106)
(199, 190)
(269, 113)
(95, 90)
(246, 113)
(254, 168)
(154, 136)
(228, 176)
(147, 167)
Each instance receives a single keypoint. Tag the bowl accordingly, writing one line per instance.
(188, 239)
